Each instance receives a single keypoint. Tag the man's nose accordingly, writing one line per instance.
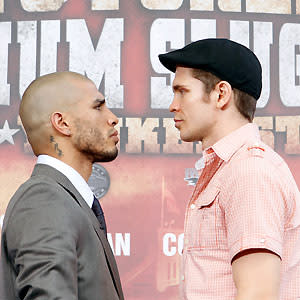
(112, 120)
(174, 106)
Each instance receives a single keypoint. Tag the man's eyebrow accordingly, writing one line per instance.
(179, 86)
(100, 101)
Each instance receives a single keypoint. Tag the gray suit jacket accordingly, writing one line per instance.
(52, 246)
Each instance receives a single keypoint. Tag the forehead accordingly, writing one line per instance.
(184, 73)
(88, 90)
(184, 76)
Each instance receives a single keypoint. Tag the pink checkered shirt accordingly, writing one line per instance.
(245, 198)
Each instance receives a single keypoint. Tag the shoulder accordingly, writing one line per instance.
(256, 171)
(41, 197)
(38, 189)
(258, 159)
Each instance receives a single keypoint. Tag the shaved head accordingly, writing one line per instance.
(66, 117)
(44, 96)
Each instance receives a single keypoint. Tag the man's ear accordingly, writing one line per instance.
(224, 91)
(60, 124)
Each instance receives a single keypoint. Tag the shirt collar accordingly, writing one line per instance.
(232, 142)
(76, 179)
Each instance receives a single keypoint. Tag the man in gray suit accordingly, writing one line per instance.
(54, 243)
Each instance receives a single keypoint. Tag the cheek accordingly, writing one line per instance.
(97, 134)
(200, 115)
(192, 112)
(89, 131)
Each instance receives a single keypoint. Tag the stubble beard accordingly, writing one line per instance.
(92, 144)
(105, 156)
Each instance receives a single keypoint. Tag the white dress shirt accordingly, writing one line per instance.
(76, 179)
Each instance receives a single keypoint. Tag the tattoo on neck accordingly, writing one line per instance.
(56, 148)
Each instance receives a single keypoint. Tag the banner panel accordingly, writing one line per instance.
(116, 44)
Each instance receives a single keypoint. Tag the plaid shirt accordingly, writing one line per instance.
(245, 198)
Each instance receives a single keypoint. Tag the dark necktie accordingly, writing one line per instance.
(96, 207)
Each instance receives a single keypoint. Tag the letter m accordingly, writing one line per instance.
(102, 62)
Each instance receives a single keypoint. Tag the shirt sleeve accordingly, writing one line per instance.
(255, 207)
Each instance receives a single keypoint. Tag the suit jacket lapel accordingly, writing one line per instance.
(62, 180)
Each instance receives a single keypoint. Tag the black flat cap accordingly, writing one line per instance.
(224, 58)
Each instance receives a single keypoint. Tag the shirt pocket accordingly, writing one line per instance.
(209, 221)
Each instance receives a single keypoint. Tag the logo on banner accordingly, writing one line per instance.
(99, 181)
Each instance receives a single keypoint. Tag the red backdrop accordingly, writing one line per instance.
(116, 44)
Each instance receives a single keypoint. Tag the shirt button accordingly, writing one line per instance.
(262, 241)
(182, 277)
(193, 206)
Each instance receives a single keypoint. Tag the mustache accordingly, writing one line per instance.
(113, 132)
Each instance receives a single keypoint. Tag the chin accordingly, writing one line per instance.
(106, 156)
(187, 138)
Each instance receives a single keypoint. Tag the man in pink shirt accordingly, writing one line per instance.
(242, 224)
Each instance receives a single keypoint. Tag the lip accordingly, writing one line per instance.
(115, 133)
(115, 136)
(177, 122)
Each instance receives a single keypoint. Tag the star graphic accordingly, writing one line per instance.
(6, 133)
